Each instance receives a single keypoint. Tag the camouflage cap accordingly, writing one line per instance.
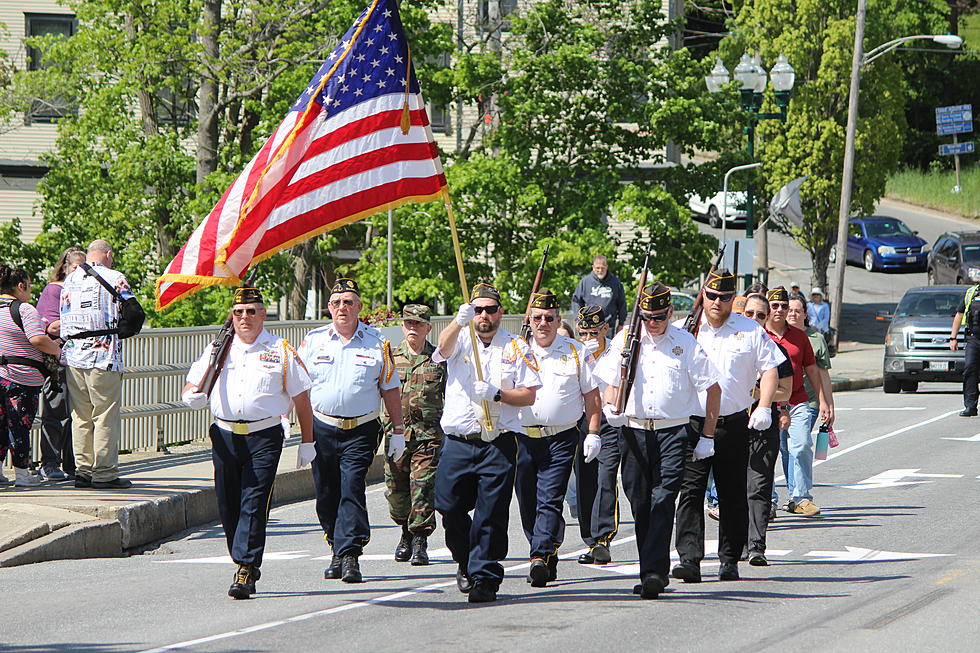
(247, 295)
(417, 312)
(544, 298)
(591, 317)
(778, 294)
(721, 280)
(485, 291)
(343, 284)
(655, 297)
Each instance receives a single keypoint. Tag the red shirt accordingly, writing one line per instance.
(797, 346)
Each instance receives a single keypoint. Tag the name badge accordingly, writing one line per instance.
(325, 358)
(364, 359)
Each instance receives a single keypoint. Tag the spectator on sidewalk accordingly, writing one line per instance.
(56, 450)
(22, 341)
(95, 368)
(796, 316)
(794, 291)
(819, 312)
(602, 288)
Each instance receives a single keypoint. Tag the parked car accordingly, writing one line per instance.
(682, 302)
(955, 258)
(884, 243)
(714, 206)
(917, 340)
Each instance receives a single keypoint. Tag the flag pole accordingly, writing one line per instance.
(488, 421)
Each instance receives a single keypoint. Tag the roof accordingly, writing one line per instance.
(964, 235)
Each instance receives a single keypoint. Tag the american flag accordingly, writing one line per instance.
(357, 141)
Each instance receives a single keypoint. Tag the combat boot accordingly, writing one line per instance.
(420, 557)
(404, 549)
(351, 570)
(243, 585)
(334, 570)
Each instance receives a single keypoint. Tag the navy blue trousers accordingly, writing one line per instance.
(477, 476)
(244, 473)
(339, 473)
(653, 468)
(543, 468)
(598, 488)
(971, 371)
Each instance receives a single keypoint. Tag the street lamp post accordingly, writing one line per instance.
(860, 60)
(752, 80)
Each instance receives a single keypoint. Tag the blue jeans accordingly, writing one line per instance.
(796, 452)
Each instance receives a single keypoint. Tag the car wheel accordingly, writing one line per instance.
(890, 385)
(909, 386)
(713, 218)
(869, 260)
(833, 254)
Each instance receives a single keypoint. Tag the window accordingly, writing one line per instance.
(439, 118)
(58, 25)
(854, 230)
(506, 7)
(175, 105)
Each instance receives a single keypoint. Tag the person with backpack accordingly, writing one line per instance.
(968, 313)
(97, 312)
(22, 370)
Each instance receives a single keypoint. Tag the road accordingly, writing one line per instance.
(891, 564)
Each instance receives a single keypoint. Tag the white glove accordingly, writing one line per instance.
(614, 418)
(305, 454)
(591, 447)
(194, 399)
(483, 390)
(589, 347)
(761, 418)
(465, 314)
(705, 448)
(396, 446)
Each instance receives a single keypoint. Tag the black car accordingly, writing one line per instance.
(955, 258)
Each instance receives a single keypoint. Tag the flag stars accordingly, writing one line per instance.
(384, 49)
(375, 63)
(336, 103)
(358, 91)
(404, 82)
(390, 71)
(332, 55)
(344, 88)
(366, 78)
(387, 13)
(360, 57)
(379, 28)
(393, 37)
(341, 79)
(381, 83)
(398, 58)
(344, 44)
(369, 42)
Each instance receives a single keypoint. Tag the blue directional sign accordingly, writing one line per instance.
(959, 113)
(954, 128)
(956, 148)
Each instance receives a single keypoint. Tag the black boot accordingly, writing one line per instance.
(420, 557)
(553, 567)
(243, 585)
(463, 581)
(351, 570)
(334, 570)
(482, 592)
(404, 549)
(539, 573)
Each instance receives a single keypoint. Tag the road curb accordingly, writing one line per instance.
(843, 385)
(90, 539)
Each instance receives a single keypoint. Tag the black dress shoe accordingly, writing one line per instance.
(688, 572)
(601, 554)
(114, 484)
(758, 559)
(482, 592)
(243, 584)
(968, 412)
(586, 559)
(404, 549)
(728, 571)
(651, 586)
(463, 581)
(334, 571)
(83, 481)
(350, 569)
(553, 568)
(539, 573)
(420, 556)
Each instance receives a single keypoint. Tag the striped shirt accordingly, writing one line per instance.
(15, 342)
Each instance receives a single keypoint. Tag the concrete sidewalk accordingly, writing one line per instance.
(174, 492)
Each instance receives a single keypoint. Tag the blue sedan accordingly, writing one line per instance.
(882, 243)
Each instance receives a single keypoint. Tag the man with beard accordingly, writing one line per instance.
(476, 469)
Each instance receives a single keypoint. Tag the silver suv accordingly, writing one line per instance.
(917, 341)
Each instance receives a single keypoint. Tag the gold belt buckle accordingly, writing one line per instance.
(534, 432)
(239, 429)
(348, 423)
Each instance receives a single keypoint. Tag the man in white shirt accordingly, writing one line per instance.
(476, 469)
(261, 375)
(546, 448)
(671, 369)
(741, 351)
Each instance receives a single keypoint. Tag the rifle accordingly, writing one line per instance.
(526, 326)
(631, 345)
(693, 321)
(219, 349)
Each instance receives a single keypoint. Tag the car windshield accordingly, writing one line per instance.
(930, 304)
(887, 228)
(971, 253)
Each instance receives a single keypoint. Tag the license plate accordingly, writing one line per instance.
(939, 366)
(910, 259)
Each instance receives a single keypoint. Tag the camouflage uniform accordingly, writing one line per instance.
(411, 480)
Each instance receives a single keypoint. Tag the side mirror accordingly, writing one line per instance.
(915, 233)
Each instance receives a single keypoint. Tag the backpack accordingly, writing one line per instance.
(131, 314)
(48, 368)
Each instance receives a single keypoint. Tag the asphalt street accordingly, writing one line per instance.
(891, 564)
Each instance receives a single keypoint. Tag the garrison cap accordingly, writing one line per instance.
(544, 298)
(591, 317)
(417, 312)
(655, 297)
(343, 284)
(485, 291)
(248, 295)
(721, 280)
(778, 294)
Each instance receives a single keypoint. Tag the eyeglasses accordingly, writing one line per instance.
(489, 310)
(759, 315)
(656, 317)
(547, 318)
(722, 297)
(239, 312)
(778, 305)
(336, 303)
(589, 334)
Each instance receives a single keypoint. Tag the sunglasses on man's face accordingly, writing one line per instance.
(655, 317)
(337, 303)
(757, 315)
(547, 318)
(715, 296)
(778, 306)
(589, 334)
(489, 310)
(239, 312)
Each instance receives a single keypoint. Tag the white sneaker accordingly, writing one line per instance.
(52, 473)
(3, 479)
(26, 479)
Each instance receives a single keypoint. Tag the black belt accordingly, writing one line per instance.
(725, 419)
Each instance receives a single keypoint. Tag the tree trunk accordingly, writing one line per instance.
(302, 274)
(207, 112)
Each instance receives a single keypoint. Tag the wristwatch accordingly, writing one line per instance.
(496, 397)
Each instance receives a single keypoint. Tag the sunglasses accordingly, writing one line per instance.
(337, 303)
(756, 314)
(547, 318)
(778, 305)
(238, 312)
(714, 296)
(489, 310)
(589, 334)
(655, 317)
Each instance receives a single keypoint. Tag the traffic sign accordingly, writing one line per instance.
(947, 128)
(959, 113)
(956, 148)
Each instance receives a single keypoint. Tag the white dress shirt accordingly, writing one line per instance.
(565, 376)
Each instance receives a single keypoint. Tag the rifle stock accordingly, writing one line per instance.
(526, 325)
(219, 348)
(631, 345)
(693, 321)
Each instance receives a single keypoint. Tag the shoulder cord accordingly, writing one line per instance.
(578, 365)
(387, 362)
(286, 350)
(518, 352)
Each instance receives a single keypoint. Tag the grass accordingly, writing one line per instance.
(969, 29)
(932, 189)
